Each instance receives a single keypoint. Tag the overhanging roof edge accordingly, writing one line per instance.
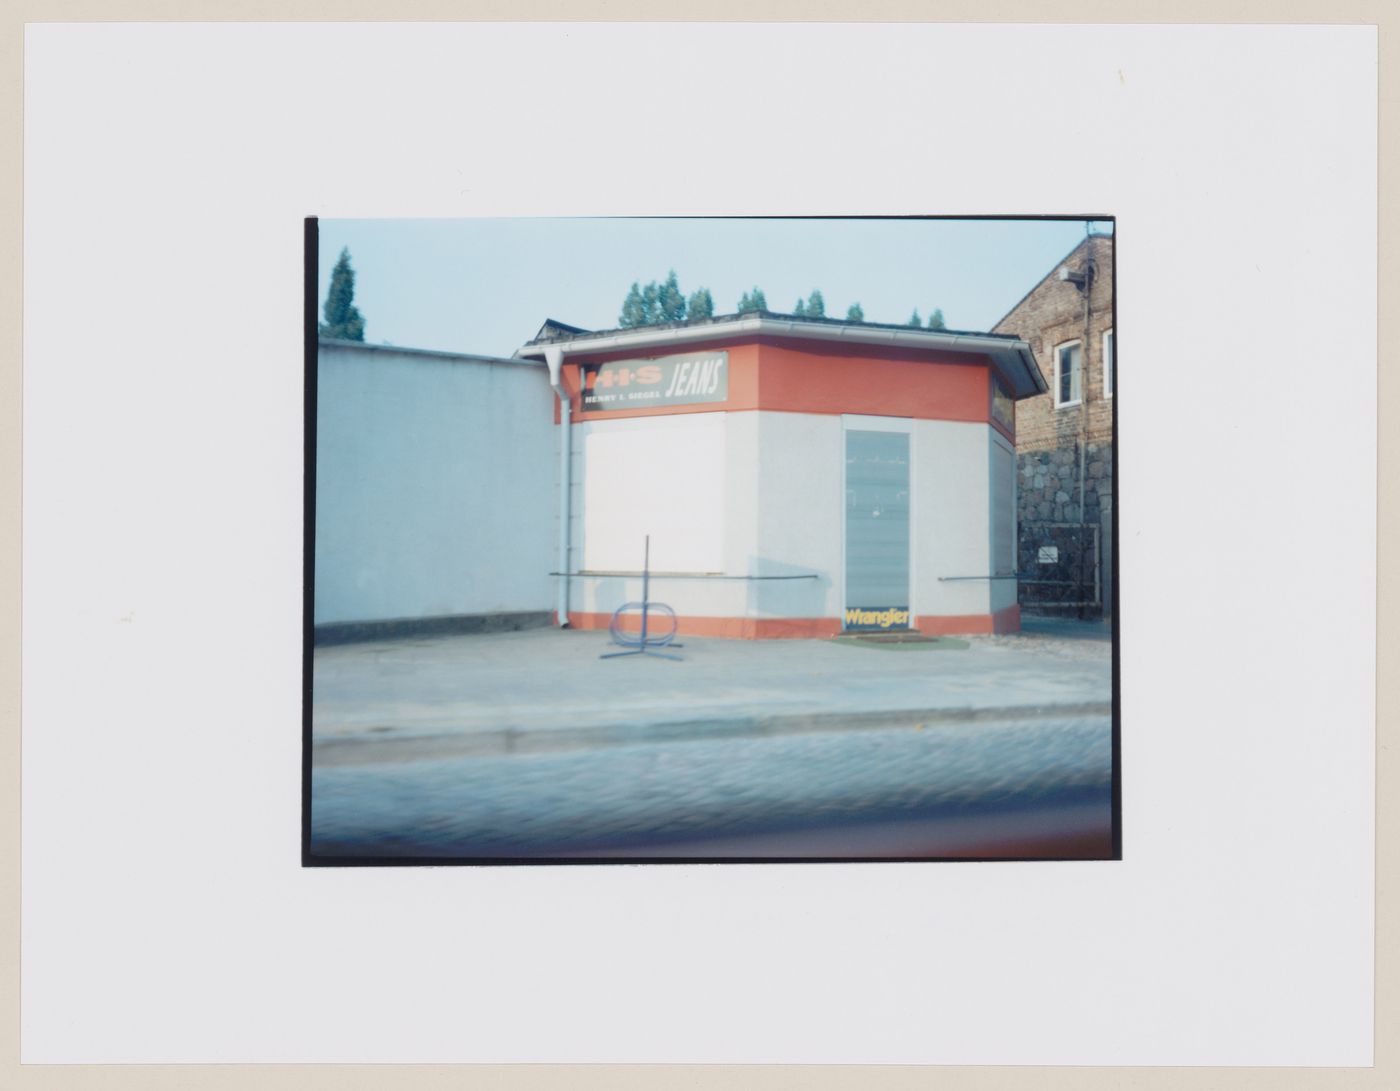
(1011, 356)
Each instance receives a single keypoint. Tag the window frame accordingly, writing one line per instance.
(1106, 351)
(1079, 387)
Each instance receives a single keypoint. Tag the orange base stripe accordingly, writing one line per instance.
(1007, 620)
(801, 628)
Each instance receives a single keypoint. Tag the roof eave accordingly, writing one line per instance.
(1013, 358)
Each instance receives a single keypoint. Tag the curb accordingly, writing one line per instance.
(496, 742)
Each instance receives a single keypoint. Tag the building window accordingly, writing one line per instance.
(1069, 372)
(1003, 408)
(1108, 364)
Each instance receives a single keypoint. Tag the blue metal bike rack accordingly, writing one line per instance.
(643, 643)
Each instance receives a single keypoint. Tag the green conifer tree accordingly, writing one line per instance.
(670, 302)
(651, 304)
(816, 305)
(800, 309)
(631, 315)
(915, 320)
(343, 319)
(854, 313)
(701, 305)
(753, 301)
(935, 320)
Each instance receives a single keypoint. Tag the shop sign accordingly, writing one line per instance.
(877, 617)
(689, 379)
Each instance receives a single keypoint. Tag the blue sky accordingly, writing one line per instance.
(484, 286)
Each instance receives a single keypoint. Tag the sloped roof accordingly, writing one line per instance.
(1011, 356)
(554, 330)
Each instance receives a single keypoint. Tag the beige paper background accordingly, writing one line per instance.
(1386, 1072)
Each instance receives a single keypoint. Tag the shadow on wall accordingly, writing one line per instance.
(802, 592)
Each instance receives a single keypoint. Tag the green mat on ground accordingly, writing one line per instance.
(903, 642)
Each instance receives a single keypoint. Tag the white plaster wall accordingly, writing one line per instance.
(743, 464)
(784, 511)
(705, 459)
(1002, 456)
(657, 478)
(951, 523)
(434, 486)
(801, 515)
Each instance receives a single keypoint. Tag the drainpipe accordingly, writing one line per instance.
(1090, 272)
(554, 357)
(1084, 383)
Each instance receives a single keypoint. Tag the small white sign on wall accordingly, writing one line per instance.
(1049, 555)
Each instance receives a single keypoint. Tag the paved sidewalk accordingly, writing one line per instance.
(548, 689)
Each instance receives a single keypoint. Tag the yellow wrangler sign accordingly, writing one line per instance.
(884, 619)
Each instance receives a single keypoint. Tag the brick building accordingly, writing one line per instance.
(1065, 437)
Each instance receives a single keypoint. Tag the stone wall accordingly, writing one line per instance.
(1048, 483)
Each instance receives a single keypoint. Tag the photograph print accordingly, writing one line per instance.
(710, 540)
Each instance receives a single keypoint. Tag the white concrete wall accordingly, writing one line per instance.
(435, 485)
(801, 512)
(691, 486)
(951, 518)
(1003, 492)
(783, 513)
(801, 515)
(657, 478)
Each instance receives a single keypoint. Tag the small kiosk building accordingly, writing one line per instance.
(796, 477)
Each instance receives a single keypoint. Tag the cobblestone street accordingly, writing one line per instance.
(620, 798)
